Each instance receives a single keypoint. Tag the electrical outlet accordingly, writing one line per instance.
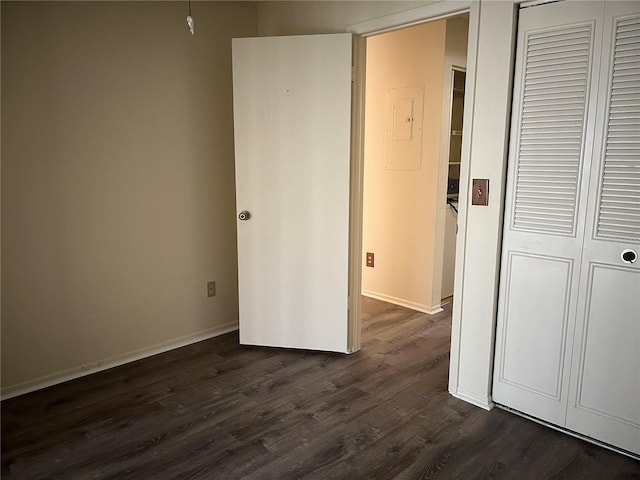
(211, 289)
(370, 259)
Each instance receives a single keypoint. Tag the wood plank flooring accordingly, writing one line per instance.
(217, 410)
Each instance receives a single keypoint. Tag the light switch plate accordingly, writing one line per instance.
(480, 192)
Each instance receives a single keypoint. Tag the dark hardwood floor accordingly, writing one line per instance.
(216, 410)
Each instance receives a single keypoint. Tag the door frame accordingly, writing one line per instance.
(492, 28)
(361, 30)
(485, 141)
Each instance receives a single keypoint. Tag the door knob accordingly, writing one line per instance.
(244, 215)
(629, 256)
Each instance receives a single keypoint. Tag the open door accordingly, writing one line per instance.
(292, 118)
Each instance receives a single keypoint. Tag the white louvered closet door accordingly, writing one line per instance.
(568, 331)
(549, 158)
(604, 399)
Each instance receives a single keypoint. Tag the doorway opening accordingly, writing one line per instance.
(458, 75)
(412, 142)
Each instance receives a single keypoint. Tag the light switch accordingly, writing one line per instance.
(480, 192)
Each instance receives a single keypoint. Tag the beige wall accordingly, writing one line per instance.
(400, 206)
(117, 182)
(44, 252)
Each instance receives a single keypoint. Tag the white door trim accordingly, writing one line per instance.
(474, 317)
(409, 18)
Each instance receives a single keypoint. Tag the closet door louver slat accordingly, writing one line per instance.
(555, 81)
(619, 208)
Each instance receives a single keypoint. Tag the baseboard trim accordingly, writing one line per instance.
(106, 363)
(469, 397)
(403, 303)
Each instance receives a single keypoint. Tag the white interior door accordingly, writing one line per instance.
(550, 154)
(604, 399)
(292, 118)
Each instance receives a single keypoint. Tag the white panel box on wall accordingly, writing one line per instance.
(403, 128)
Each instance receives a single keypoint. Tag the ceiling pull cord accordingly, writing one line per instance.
(190, 20)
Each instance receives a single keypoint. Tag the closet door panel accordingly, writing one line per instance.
(611, 344)
(604, 400)
(530, 322)
(545, 207)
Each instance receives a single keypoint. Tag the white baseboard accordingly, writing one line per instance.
(472, 398)
(106, 363)
(404, 303)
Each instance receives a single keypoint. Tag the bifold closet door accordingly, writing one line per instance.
(568, 332)
(552, 126)
(604, 399)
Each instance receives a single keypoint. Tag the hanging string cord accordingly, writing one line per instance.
(190, 20)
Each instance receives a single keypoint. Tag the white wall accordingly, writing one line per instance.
(117, 182)
(306, 17)
(487, 109)
(400, 206)
(491, 30)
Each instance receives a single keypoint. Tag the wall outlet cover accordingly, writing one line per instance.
(370, 259)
